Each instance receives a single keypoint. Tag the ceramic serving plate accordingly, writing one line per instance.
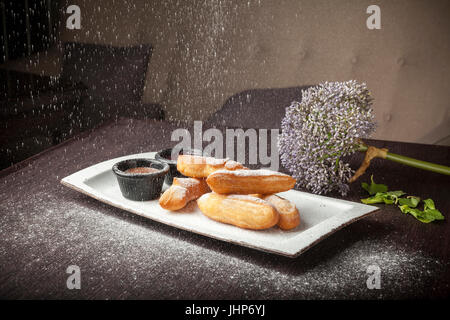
(320, 216)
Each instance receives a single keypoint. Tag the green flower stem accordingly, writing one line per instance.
(438, 168)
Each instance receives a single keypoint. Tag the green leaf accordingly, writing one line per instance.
(429, 204)
(388, 200)
(418, 214)
(374, 188)
(373, 200)
(395, 194)
(380, 194)
(424, 219)
(433, 213)
(410, 201)
(404, 208)
(383, 197)
(365, 186)
(430, 213)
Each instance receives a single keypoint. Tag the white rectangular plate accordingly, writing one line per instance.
(320, 216)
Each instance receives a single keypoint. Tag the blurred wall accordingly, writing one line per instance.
(205, 51)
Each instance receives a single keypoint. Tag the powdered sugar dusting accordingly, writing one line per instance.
(178, 192)
(215, 161)
(120, 252)
(232, 165)
(186, 182)
(250, 173)
(193, 159)
(246, 197)
(288, 205)
(204, 196)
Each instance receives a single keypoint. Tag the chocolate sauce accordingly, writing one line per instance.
(141, 170)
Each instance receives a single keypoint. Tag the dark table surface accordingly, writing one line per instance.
(45, 227)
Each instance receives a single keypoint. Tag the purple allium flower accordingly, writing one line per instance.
(319, 131)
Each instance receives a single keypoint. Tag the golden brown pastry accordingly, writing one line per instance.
(201, 167)
(249, 181)
(182, 191)
(289, 215)
(243, 211)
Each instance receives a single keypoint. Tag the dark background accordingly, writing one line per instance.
(97, 82)
(28, 26)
